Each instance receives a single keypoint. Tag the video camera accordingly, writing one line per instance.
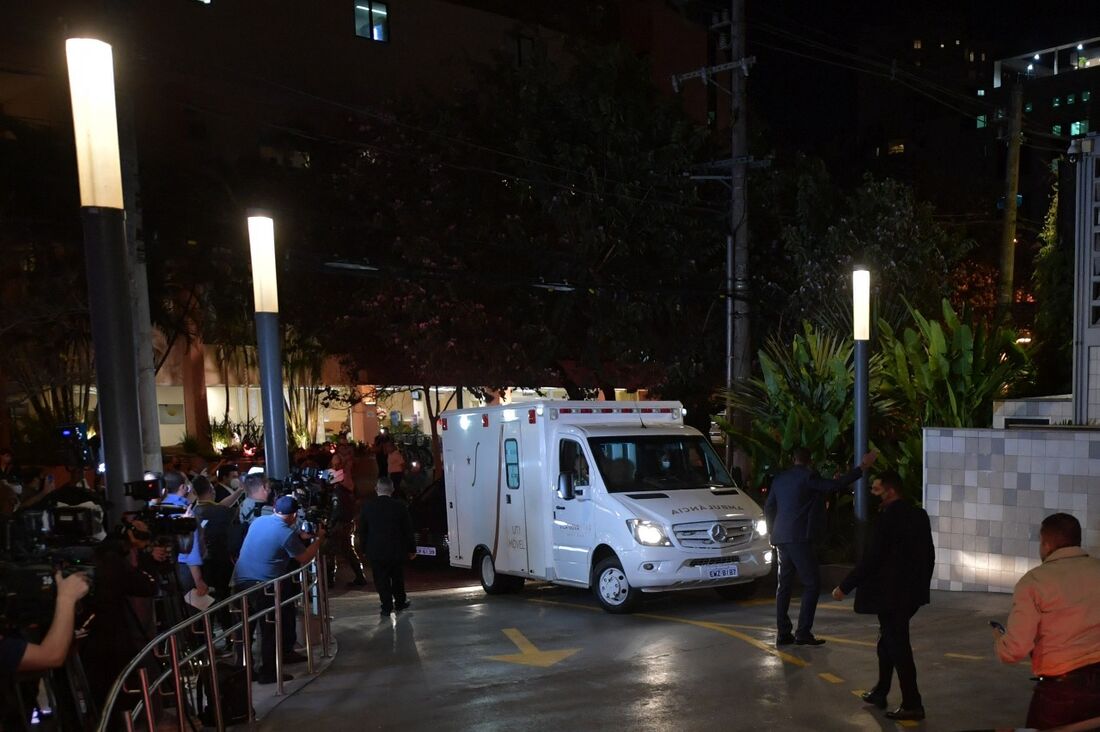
(27, 586)
(315, 495)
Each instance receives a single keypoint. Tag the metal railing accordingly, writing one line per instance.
(176, 652)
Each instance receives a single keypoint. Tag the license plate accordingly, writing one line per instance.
(426, 551)
(730, 571)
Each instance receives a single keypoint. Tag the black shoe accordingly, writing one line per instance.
(809, 641)
(294, 657)
(402, 606)
(385, 613)
(358, 582)
(784, 640)
(265, 679)
(874, 698)
(901, 713)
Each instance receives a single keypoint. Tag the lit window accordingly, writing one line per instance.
(1000, 113)
(1056, 102)
(1071, 98)
(981, 119)
(1056, 129)
(372, 20)
(981, 92)
(983, 56)
(1028, 107)
(1079, 128)
(971, 56)
(916, 44)
(1085, 96)
(896, 148)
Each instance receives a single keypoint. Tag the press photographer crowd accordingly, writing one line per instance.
(80, 599)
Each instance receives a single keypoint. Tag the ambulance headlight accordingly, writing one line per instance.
(648, 533)
(761, 527)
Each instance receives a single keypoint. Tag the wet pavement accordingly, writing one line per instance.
(549, 659)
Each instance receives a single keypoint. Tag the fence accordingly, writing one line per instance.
(183, 659)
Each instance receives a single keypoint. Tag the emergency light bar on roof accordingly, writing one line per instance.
(515, 412)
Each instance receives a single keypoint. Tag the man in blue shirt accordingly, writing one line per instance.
(190, 562)
(272, 541)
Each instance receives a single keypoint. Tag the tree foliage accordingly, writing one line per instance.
(540, 219)
(814, 232)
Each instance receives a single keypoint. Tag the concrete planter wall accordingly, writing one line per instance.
(987, 490)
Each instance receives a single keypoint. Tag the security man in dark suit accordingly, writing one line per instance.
(791, 510)
(385, 529)
(893, 579)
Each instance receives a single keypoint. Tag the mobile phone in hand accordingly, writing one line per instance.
(997, 626)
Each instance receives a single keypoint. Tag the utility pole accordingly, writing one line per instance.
(731, 26)
(739, 223)
(1012, 184)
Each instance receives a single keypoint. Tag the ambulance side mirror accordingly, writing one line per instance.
(565, 487)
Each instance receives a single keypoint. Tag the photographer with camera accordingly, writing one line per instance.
(127, 567)
(272, 541)
(342, 524)
(178, 492)
(16, 654)
(215, 520)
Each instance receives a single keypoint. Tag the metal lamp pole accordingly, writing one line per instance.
(861, 327)
(269, 341)
(103, 214)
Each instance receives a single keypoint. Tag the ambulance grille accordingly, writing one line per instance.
(699, 534)
(731, 559)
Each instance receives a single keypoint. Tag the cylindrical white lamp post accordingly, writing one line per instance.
(92, 88)
(861, 332)
(269, 343)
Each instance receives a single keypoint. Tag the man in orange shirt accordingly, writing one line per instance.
(1056, 619)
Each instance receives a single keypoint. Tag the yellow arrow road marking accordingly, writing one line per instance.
(832, 679)
(528, 654)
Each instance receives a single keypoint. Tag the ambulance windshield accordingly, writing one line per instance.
(658, 462)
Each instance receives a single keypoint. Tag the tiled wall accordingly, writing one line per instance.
(987, 490)
(1054, 409)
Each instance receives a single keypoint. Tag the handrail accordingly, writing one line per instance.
(311, 577)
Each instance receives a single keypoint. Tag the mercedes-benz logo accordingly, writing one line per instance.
(718, 533)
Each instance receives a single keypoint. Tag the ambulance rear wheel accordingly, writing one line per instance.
(612, 588)
(493, 583)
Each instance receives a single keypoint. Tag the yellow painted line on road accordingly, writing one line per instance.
(717, 627)
(964, 656)
(771, 601)
(832, 679)
(830, 638)
(528, 654)
(908, 723)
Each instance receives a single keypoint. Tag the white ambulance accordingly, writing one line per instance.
(620, 497)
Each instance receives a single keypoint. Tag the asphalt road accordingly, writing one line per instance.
(550, 659)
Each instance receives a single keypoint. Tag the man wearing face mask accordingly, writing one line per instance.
(228, 483)
(893, 578)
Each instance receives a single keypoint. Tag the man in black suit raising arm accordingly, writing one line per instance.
(893, 578)
(385, 529)
(791, 509)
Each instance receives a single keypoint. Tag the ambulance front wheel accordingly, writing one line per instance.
(493, 583)
(612, 588)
